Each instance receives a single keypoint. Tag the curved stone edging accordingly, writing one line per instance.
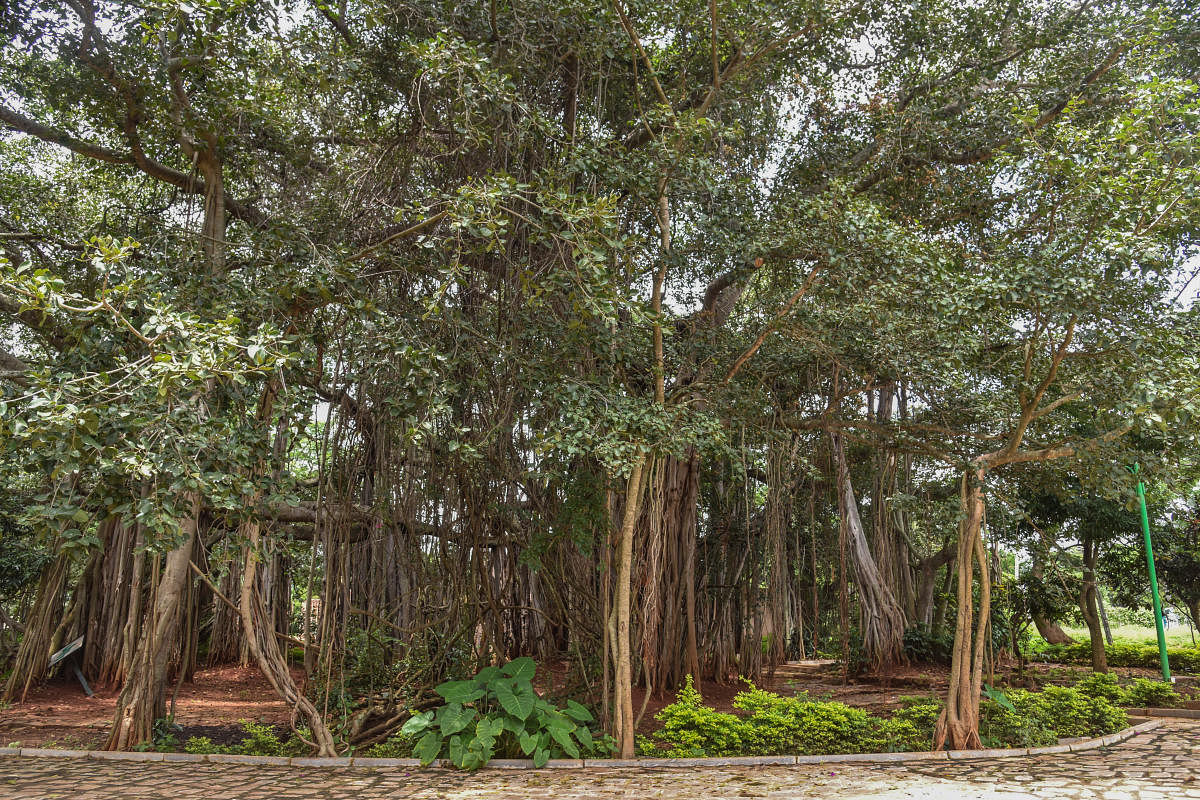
(594, 763)
(1178, 713)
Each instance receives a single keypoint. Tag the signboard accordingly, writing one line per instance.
(69, 648)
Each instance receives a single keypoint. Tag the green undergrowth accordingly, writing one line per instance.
(768, 724)
(1140, 693)
(260, 740)
(497, 714)
(1119, 654)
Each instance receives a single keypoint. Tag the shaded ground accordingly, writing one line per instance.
(60, 715)
(1159, 765)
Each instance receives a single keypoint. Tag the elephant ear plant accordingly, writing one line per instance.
(498, 713)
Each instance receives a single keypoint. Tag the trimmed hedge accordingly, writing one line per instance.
(773, 725)
(1141, 692)
(1119, 654)
(768, 724)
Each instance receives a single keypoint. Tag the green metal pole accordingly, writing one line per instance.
(1158, 615)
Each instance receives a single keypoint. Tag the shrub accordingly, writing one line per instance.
(398, 745)
(202, 745)
(1070, 712)
(1144, 692)
(1102, 684)
(692, 729)
(1001, 726)
(260, 740)
(775, 725)
(497, 712)
(1119, 654)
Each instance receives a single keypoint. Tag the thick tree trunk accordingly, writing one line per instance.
(958, 725)
(1103, 616)
(33, 654)
(927, 572)
(623, 688)
(883, 619)
(1052, 632)
(143, 698)
(1087, 606)
(264, 646)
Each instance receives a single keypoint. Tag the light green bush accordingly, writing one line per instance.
(773, 725)
(1144, 692)
(1103, 684)
(1069, 712)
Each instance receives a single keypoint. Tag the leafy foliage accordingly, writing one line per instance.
(498, 713)
(773, 725)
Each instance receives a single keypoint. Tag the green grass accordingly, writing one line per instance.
(1176, 637)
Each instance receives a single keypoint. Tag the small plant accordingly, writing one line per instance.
(1006, 727)
(1070, 712)
(260, 740)
(693, 730)
(164, 737)
(773, 725)
(1145, 693)
(399, 745)
(1103, 684)
(498, 713)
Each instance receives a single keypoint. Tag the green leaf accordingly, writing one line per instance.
(417, 723)
(461, 692)
(528, 742)
(519, 703)
(456, 751)
(487, 675)
(489, 728)
(585, 738)
(540, 757)
(577, 712)
(428, 747)
(521, 668)
(452, 718)
(564, 739)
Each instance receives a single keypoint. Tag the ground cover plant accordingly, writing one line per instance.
(768, 724)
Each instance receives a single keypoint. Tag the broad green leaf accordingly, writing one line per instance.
(521, 668)
(564, 739)
(577, 712)
(452, 718)
(456, 751)
(417, 723)
(528, 742)
(461, 692)
(519, 703)
(540, 757)
(486, 675)
(428, 747)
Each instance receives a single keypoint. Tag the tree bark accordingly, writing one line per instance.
(1087, 606)
(958, 725)
(883, 619)
(1051, 631)
(143, 698)
(623, 689)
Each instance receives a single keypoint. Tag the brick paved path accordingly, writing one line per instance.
(1161, 764)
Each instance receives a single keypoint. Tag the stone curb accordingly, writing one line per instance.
(599, 763)
(1180, 713)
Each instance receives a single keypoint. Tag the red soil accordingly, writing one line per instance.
(59, 714)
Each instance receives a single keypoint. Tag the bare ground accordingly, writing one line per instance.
(58, 713)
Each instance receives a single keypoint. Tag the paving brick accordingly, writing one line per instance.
(1151, 765)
